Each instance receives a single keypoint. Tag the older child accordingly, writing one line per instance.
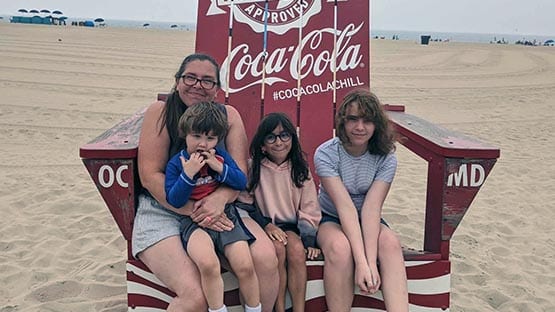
(285, 193)
(356, 169)
(194, 173)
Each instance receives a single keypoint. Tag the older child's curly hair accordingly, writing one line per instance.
(382, 141)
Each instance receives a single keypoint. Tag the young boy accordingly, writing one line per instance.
(195, 172)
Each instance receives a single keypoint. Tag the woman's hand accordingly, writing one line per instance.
(211, 206)
(220, 224)
(275, 233)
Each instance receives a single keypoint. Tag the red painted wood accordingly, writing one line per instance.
(438, 140)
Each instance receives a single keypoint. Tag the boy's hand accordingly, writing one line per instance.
(275, 233)
(312, 253)
(212, 161)
(192, 166)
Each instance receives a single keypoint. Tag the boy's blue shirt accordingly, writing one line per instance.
(179, 187)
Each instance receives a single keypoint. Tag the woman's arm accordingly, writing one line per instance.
(236, 140)
(153, 156)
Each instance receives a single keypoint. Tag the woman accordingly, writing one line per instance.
(356, 169)
(156, 238)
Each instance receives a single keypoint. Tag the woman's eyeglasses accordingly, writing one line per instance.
(271, 138)
(191, 80)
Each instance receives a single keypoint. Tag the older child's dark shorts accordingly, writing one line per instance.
(329, 218)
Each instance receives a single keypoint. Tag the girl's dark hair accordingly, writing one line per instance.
(204, 117)
(382, 141)
(299, 165)
(175, 107)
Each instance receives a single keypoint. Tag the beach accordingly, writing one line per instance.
(60, 249)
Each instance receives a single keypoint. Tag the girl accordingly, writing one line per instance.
(356, 169)
(285, 193)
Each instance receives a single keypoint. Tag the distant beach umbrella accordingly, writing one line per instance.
(34, 11)
(22, 11)
(146, 24)
(44, 11)
(99, 20)
(173, 26)
(57, 12)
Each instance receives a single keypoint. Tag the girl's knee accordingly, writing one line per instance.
(281, 252)
(389, 242)
(296, 253)
(337, 249)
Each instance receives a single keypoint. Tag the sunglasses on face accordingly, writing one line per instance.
(271, 138)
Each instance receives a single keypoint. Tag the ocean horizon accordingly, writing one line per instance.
(412, 35)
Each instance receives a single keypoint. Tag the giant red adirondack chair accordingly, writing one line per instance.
(300, 57)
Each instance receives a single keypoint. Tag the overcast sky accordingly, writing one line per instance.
(474, 16)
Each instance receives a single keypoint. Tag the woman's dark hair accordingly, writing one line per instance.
(175, 107)
(382, 141)
(299, 165)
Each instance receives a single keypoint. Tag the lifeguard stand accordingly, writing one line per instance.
(329, 42)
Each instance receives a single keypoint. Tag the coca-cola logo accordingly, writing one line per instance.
(278, 17)
(315, 60)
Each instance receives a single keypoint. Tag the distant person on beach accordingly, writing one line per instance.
(285, 194)
(156, 237)
(356, 169)
(195, 172)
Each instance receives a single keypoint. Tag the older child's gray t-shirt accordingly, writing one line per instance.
(357, 173)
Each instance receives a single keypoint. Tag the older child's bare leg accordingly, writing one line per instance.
(282, 269)
(265, 264)
(296, 271)
(201, 250)
(392, 271)
(239, 257)
(338, 267)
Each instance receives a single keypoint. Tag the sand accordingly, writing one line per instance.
(60, 87)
